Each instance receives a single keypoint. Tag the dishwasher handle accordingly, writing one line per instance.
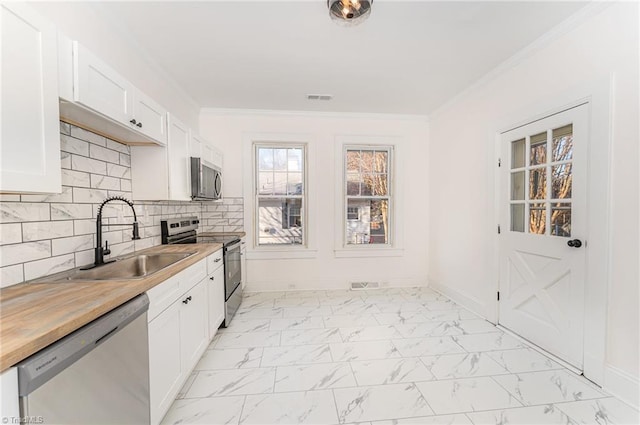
(41, 367)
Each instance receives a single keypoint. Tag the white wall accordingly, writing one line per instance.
(462, 251)
(231, 131)
(100, 33)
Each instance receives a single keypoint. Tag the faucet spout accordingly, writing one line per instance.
(99, 251)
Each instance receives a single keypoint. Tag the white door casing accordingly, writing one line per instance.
(543, 207)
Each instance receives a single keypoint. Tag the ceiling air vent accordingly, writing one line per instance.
(319, 97)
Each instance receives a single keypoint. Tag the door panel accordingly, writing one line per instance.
(543, 207)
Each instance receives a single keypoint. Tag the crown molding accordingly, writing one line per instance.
(314, 114)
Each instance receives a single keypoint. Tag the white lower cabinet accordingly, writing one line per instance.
(9, 407)
(181, 312)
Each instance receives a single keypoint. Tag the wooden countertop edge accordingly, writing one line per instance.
(35, 315)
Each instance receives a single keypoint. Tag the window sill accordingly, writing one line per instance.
(359, 252)
(281, 254)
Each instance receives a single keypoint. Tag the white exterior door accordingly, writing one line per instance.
(543, 232)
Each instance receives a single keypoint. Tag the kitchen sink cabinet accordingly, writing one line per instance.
(194, 332)
(29, 136)
(163, 173)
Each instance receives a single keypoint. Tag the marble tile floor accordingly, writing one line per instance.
(380, 357)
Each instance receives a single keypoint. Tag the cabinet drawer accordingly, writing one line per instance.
(162, 296)
(192, 276)
(214, 261)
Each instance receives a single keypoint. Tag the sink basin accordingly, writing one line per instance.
(127, 268)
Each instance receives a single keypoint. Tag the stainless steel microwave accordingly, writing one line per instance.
(206, 181)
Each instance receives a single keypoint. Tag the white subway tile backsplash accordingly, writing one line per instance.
(113, 237)
(70, 211)
(23, 252)
(125, 160)
(16, 212)
(7, 197)
(11, 275)
(46, 230)
(122, 249)
(51, 265)
(115, 170)
(84, 258)
(103, 182)
(125, 185)
(90, 196)
(65, 128)
(104, 154)
(80, 133)
(73, 145)
(70, 245)
(65, 160)
(76, 178)
(84, 227)
(64, 196)
(116, 146)
(10, 233)
(81, 163)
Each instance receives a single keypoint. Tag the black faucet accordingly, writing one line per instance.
(100, 252)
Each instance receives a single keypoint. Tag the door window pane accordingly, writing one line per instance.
(538, 183)
(563, 143)
(517, 185)
(561, 181)
(561, 219)
(517, 217)
(537, 218)
(538, 151)
(517, 154)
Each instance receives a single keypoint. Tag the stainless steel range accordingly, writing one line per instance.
(185, 231)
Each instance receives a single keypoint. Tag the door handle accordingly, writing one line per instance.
(575, 243)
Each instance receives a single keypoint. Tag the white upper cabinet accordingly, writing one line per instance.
(29, 129)
(206, 151)
(163, 173)
(95, 96)
(100, 88)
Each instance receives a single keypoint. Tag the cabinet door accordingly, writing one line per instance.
(29, 126)
(179, 162)
(216, 300)
(100, 88)
(151, 118)
(165, 366)
(194, 330)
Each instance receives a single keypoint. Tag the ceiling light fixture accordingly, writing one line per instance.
(349, 12)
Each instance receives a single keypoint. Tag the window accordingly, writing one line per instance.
(368, 198)
(280, 194)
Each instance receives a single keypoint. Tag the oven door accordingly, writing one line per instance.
(232, 269)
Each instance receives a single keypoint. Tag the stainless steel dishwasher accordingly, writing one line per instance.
(99, 374)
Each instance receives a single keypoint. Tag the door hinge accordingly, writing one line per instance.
(498, 295)
(499, 162)
(498, 229)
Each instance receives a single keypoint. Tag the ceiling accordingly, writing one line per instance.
(407, 58)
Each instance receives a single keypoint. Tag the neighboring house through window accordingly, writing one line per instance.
(280, 193)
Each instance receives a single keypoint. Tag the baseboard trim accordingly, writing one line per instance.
(466, 301)
(333, 284)
(622, 385)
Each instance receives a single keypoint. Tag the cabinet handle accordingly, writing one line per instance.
(186, 300)
(133, 121)
(139, 124)
(217, 260)
(211, 278)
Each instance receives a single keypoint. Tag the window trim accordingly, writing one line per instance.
(277, 144)
(389, 248)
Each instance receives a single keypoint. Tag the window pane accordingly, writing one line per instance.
(280, 159)
(517, 154)
(353, 184)
(538, 151)
(561, 181)
(537, 219)
(517, 217)
(295, 160)
(265, 158)
(380, 184)
(380, 162)
(280, 221)
(367, 184)
(265, 183)
(294, 185)
(563, 143)
(561, 219)
(279, 183)
(517, 185)
(368, 221)
(353, 161)
(366, 160)
(538, 183)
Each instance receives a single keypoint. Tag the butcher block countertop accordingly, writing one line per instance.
(34, 315)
